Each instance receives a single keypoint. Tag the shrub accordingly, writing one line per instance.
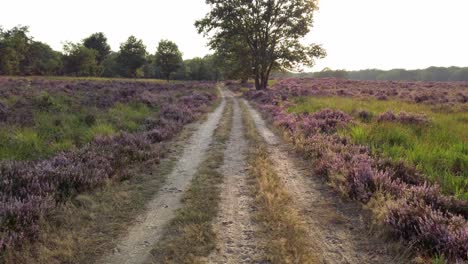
(430, 229)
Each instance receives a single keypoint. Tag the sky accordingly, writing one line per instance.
(357, 34)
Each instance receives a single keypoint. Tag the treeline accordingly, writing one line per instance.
(438, 74)
(20, 54)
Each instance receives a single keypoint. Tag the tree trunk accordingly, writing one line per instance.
(261, 81)
(258, 85)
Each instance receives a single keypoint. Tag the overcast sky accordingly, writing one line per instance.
(357, 34)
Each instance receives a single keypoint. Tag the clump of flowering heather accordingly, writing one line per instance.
(403, 117)
(443, 233)
(365, 116)
(435, 223)
(3, 112)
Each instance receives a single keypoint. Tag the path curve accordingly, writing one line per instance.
(135, 247)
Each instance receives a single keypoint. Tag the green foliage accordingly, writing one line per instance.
(168, 58)
(128, 117)
(131, 57)
(61, 125)
(110, 66)
(14, 45)
(98, 42)
(439, 74)
(80, 61)
(41, 60)
(227, 57)
(327, 73)
(439, 149)
(271, 30)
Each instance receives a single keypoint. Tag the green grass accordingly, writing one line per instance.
(438, 149)
(60, 125)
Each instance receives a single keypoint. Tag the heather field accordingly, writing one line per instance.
(232, 132)
(399, 148)
(63, 137)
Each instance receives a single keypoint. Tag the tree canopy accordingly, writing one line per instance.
(271, 29)
(98, 42)
(132, 56)
(168, 57)
(79, 60)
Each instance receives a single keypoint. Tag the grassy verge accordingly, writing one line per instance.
(189, 236)
(281, 222)
(439, 148)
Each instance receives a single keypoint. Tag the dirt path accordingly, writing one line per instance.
(334, 227)
(234, 226)
(135, 247)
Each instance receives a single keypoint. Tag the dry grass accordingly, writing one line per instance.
(189, 237)
(282, 224)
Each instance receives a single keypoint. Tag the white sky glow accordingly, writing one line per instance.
(357, 34)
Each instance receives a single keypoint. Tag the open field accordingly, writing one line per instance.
(230, 132)
(433, 139)
(362, 187)
(61, 138)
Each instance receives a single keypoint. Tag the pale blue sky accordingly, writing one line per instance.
(357, 34)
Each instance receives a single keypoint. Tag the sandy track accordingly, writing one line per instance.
(335, 228)
(234, 226)
(136, 245)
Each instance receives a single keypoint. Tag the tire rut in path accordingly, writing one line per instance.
(135, 247)
(234, 226)
(335, 228)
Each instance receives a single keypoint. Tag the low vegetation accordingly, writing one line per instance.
(398, 194)
(432, 139)
(136, 119)
(436, 74)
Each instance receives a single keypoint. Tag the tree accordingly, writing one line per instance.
(233, 57)
(98, 42)
(80, 61)
(329, 73)
(41, 60)
(14, 45)
(132, 56)
(110, 66)
(168, 58)
(271, 29)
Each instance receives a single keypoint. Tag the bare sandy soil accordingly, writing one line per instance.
(234, 225)
(136, 246)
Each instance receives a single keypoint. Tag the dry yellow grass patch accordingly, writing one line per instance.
(282, 224)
